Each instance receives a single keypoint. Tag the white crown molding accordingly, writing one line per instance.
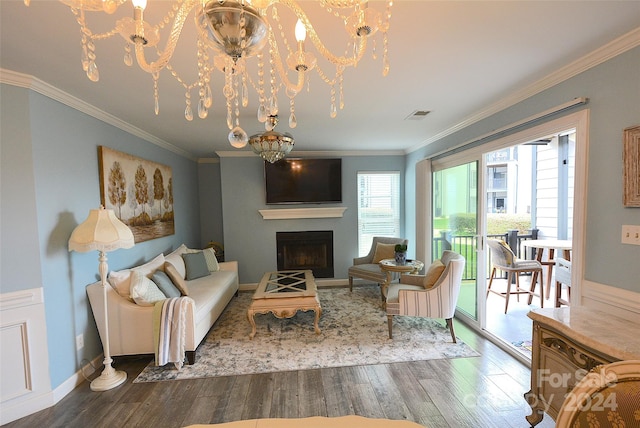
(310, 154)
(616, 47)
(14, 78)
(208, 160)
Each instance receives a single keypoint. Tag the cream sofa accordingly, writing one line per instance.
(131, 325)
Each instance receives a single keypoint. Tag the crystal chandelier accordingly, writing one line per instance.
(271, 145)
(230, 33)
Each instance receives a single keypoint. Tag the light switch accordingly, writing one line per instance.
(631, 234)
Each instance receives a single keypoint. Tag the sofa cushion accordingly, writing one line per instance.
(144, 291)
(433, 273)
(394, 290)
(178, 251)
(212, 261)
(384, 251)
(121, 280)
(207, 292)
(176, 278)
(175, 258)
(196, 265)
(165, 284)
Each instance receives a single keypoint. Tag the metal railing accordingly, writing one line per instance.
(466, 246)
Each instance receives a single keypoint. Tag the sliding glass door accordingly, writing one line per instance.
(455, 225)
(483, 191)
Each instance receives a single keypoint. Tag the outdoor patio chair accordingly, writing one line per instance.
(503, 258)
(563, 277)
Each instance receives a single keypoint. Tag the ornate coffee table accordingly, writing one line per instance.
(284, 293)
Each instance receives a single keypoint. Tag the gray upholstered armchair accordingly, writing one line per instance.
(367, 267)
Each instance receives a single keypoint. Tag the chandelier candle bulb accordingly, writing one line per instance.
(300, 32)
(228, 34)
(139, 4)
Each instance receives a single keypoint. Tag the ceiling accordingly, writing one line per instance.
(452, 58)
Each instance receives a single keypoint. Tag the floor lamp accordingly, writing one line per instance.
(102, 231)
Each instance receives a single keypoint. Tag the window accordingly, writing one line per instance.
(378, 207)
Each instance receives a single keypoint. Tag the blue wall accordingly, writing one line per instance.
(49, 179)
(613, 89)
(252, 240)
(51, 153)
(210, 201)
(18, 221)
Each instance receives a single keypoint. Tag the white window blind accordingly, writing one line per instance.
(378, 207)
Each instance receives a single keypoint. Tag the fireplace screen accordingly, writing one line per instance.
(306, 250)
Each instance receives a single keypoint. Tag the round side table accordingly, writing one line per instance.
(390, 266)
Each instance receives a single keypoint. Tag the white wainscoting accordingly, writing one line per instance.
(24, 359)
(616, 301)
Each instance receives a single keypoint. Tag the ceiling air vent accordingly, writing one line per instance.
(417, 115)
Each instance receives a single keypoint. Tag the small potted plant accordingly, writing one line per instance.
(401, 254)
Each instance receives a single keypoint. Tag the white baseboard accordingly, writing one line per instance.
(623, 303)
(76, 380)
(25, 407)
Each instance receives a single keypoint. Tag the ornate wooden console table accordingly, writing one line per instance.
(567, 343)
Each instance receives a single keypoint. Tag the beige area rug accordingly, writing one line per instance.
(354, 332)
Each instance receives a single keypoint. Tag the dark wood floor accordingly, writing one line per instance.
(474, 392)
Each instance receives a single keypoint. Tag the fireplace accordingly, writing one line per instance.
(306, 250)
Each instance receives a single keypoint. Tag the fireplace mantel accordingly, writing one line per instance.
(289, 213)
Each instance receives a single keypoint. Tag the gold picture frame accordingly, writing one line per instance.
(631, 167)
(140, 192)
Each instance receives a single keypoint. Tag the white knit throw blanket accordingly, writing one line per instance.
(170, 325)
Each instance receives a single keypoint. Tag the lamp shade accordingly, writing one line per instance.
(101, 231)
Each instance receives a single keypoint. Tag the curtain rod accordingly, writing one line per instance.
(500, 132)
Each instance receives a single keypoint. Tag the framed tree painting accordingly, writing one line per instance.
(140, 192)
(631, 167)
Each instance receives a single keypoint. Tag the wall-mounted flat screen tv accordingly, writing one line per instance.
(303, 181)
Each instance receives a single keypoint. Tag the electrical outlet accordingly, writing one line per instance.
(631, 235)
(79, 342)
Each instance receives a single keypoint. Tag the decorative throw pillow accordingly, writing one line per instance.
(121, 280)
(165, 284)
(384, 251)
(144, 291)
(508, 253)
(176, 278)
(178, 251)
(149, 268)
(212, 261)
(433, 273)
(175, 257)
(196, 265)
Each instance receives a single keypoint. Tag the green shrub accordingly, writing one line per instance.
(462, 223)
(497, 224)
(501, 223)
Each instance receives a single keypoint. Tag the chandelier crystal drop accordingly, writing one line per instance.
(230, 33)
